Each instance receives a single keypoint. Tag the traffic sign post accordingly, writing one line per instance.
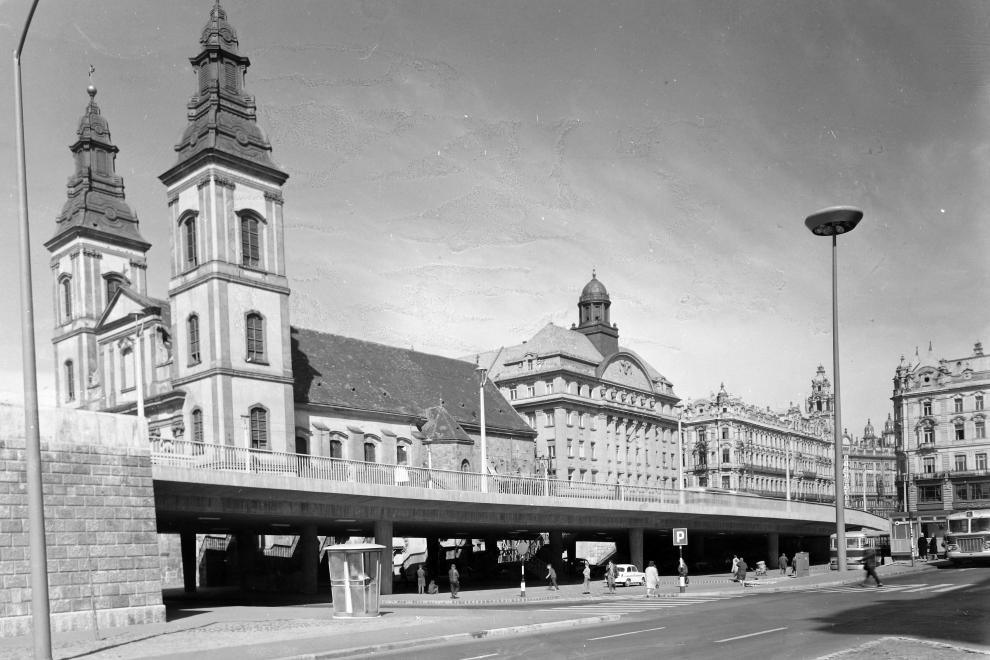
(680, 538)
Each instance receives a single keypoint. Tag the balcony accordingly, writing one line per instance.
(752, 468)
(967, 474)
(809, 474)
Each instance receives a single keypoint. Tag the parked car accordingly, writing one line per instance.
(628, 574)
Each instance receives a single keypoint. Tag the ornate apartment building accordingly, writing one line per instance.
(870, 469)
(940, 423)
(602, 414)
(732, 445)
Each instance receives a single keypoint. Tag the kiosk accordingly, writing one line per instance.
(355, 579)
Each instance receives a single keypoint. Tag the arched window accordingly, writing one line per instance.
(465, 465)
(336, 449)
(250, 241)
(126, 368)
(369, 452)
(70, 381)
(189, 241)
(255, 331)
(259, 428)
(401, 454)
(192, 327)
(302, 444)
(197, 425)
(65, 290)
(113, 282)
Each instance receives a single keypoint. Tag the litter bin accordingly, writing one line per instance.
(355, 579)
(801, 563)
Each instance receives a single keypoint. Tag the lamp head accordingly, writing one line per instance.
(834, 220)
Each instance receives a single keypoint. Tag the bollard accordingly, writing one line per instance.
(681, 583)
(522, 584)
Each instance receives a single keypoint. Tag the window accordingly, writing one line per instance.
(928, 465)
(401, 454)
(512, 394)
(302, 444)
(65, 288)
(978, 402)
(725, 454)
(189, 241)
(929, 493)
(336, 449)
(926, 408)
(570, 449)
(192, 327)
(255, 330)
(113, 282)
(960, 462)
(548, 389)
(369, 452)
(197, 425)
(928, 436)
(957, 404)
(582, 420)
(570, 418)
(960, 431)
(725, 432)
(980, 490)
(981, 461)
(981, 429)
(70, 382)
(581, 450)
(530, 391)
(726, 482)
(594, 451)
(531, 420)
(259, 428)
(126, 368)
(465, 465)
(549, 415)
(962, 492)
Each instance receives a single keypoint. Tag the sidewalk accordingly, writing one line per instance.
(282, 628)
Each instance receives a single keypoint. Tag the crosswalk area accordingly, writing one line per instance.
(920, 588)
(630, 606)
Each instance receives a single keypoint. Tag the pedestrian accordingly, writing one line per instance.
(782, 563)
(735, 566)
(610, 576)
(682, 572)
(870, 566)
(741, 569)
(420, 579)
(552, 578)
(587, 577)
(922, 547)
(455, 581)
(932, 547)
(652, 580)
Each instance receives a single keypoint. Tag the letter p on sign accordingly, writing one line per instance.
(680, 536)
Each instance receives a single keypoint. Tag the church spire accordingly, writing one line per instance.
(222, 116)
(96, 206)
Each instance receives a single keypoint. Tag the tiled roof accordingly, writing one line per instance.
(361, 375)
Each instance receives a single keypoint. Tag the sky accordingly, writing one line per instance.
(459, 168)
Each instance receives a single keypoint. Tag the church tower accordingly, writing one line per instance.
(228, 291)
(96, 250)
(594, 317)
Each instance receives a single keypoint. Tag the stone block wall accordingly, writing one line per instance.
(102, 545)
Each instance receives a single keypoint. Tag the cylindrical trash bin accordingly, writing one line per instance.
(801, 564)
(355, 579)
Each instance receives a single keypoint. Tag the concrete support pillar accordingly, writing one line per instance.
(571, 547)
(636, 547)
(433, 566)
(187, 544)
(556, 551)
(773, 548)
(247, 550)
(309, 552)
(383, 536)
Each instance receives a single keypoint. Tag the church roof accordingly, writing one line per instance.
(350, 373)
(594, 291)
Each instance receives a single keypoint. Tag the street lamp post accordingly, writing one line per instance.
(40, 612)
(832, 222)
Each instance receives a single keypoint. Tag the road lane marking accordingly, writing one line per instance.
(762, 632)
(479, 657)
(926, 587)
(633, 632)
(955, 586)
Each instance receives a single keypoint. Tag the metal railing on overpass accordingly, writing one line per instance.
(212, 457)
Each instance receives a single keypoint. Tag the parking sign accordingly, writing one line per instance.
(680, 536)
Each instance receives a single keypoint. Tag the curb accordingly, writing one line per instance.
(454, 637)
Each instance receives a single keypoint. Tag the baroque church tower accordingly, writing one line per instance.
(594, 317)
(228, 291)
(97, 254)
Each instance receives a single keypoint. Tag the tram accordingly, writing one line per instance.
(968, 538)
(856, 545)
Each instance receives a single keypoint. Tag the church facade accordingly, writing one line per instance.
(217, 361)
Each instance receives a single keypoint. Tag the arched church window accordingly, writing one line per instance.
(70, 381)
(230, 76)
(369, 452)
(255, 337)
(250, 241)
(465, 465)
(259, 427)
(401, 454)
(126, 368)
(189, 242)
(197, 426)
(336, 449)
(65, 290)
(192, 328)
(113, 282)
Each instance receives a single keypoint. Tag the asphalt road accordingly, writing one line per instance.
(950, 606)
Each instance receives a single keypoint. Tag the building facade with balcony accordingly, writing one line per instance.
(941, 440)
(732, 445)
(870, 469)
(602, 414)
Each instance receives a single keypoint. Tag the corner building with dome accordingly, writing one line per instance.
(602, 414)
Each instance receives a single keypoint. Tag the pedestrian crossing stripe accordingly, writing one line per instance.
(901, 588)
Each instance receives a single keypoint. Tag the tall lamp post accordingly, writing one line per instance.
(833, 221)
(40, 613)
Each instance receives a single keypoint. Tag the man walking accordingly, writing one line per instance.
(420, 580)
(922, 547)
(782, 563)
(587, 577)
(652, 580)
(610, 576)
(455, 581)
(552, 578)
(870, 566)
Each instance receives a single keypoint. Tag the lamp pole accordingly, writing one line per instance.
(40, 612)
(832, 222)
